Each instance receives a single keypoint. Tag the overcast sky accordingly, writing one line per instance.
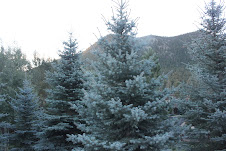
(43, 25)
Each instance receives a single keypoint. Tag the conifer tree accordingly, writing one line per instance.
(150, 53)
(13, 64)
(65, 89)
(4, 126)
(206, 108)
(26, 110)
(123, 109)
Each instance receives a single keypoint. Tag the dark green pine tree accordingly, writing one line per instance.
(65, 89)
(124, 109)
(26, 110)
(206, 110)
(12, 66)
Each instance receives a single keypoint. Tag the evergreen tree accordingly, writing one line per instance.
(150, 53)
(26, 110)
(4, 127)
(65, 89)
(124, 109)
(41, 66)
(206, 108)
(12, 73)
(12, 70)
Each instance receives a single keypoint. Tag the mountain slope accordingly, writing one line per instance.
(171, 51)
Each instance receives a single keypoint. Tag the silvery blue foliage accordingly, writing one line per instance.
(4, 126)
(26, 110)
(206, 105)
(124, 107)
(65, 89)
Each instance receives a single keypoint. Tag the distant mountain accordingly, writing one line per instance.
(171, 51)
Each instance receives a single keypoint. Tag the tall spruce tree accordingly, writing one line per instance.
(123, 109)
(26, 110)
(206, 110)
(65, 89)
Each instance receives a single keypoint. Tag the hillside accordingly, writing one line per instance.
(171, 51)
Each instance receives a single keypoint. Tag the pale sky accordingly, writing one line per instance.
(43, 25)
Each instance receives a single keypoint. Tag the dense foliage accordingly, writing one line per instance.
(65, 89)
(13, 65)
(125, 106)
(206, 106)
(26, 110)
(37, 75)
(114, 96)
(5, 126)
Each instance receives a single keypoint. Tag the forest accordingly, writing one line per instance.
(122, 94)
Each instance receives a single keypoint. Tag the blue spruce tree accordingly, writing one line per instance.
(4, 126)
(206, 108)
(26, 110)
(124, 109)
(65, 89)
